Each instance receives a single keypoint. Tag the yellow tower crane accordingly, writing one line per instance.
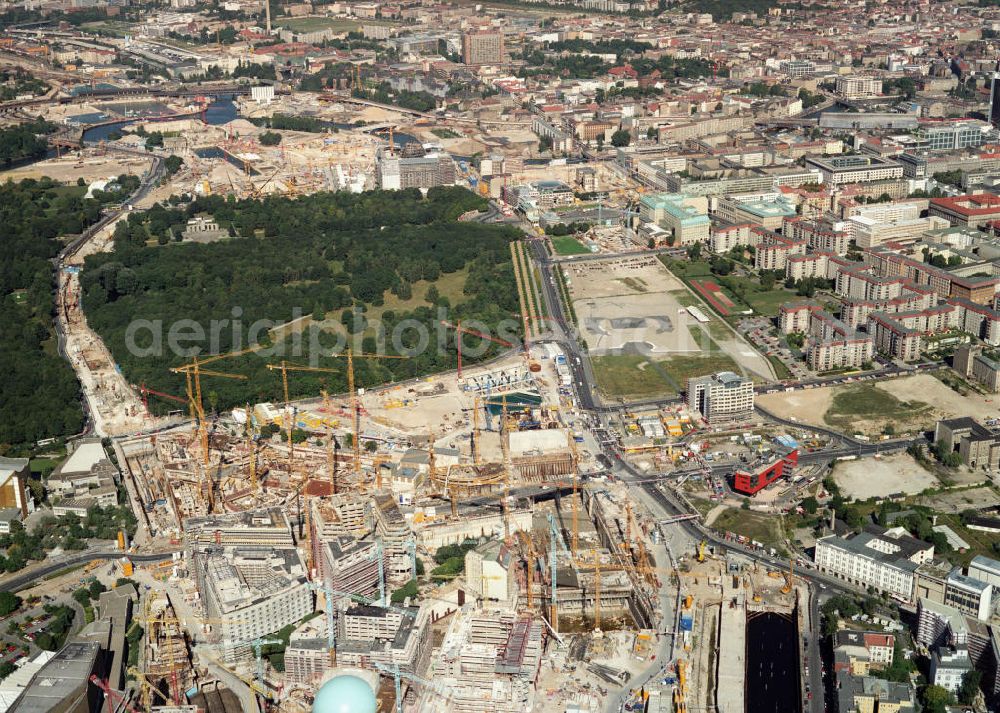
(355, 405)
(574, 467)
(193, 373)
(284, 367)
(251, 450)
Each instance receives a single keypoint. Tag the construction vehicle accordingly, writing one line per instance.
(788, 577)
(701, 551)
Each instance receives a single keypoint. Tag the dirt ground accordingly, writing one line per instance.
(69, 168)
(946, 403)
(635, 304)
(811, 405)
(958, 501)
(881, 477)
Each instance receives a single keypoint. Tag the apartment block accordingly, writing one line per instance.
(796, 317)
(724, 239)
(939, 624)
(882, 559)
(858, 87)
(819, 236)
(254, 590)
(773, 250)
(484, 47)
(886, 263)
(830, 354)
(978, 320)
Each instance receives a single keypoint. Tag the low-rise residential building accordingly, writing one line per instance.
(863, 650)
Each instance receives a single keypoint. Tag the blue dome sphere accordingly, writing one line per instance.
(345, 694)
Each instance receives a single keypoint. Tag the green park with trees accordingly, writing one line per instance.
(344, 260)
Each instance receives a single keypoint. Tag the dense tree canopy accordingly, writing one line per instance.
(333, 256)
(25, 140)
(39, 395)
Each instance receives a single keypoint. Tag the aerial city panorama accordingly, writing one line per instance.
(510, 356)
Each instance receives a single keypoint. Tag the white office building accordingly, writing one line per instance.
(882, 559)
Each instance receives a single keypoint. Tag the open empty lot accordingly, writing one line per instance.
(633, 314)
(906, 404)
(881, 477)
(959, 500)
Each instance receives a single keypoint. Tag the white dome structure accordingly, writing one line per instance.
(345, 694)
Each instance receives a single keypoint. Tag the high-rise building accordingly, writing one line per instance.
(721, 397)
(484, 47)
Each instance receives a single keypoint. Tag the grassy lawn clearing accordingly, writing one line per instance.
(865, 401)
(757, 526)
(682, 368)
(568, 245)
(630, 376)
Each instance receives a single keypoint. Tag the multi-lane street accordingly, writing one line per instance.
(563, 333)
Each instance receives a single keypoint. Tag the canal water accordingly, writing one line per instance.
(772, 669)
(218, 112)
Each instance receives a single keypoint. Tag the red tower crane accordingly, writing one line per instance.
(145, 391)
(465, 330)
(110, 693)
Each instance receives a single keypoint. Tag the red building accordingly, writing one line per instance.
(751, 482)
